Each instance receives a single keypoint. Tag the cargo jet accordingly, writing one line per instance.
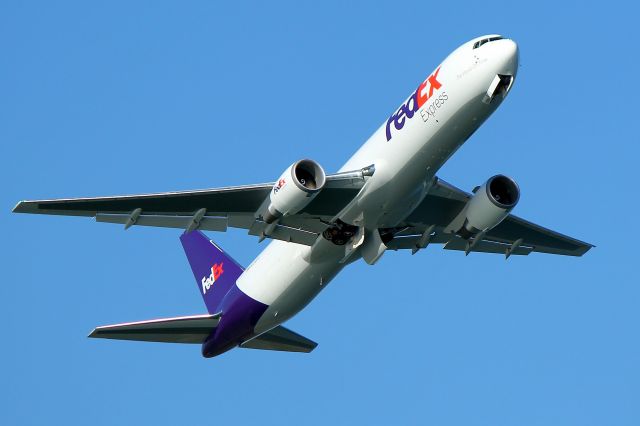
(386, 197)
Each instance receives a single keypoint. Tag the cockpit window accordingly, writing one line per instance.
(486, 40)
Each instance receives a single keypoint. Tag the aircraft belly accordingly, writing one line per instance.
(281, 264)
(287, 277)
(298, 294)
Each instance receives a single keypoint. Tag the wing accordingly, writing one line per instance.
(191, 329)
(513, 236)
(211, 209)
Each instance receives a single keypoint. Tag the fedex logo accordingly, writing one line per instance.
(279, 185)
(207, 282)
(422, 94)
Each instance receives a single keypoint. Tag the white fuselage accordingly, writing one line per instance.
(407, 150)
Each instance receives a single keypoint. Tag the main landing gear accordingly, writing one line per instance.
(340, 233)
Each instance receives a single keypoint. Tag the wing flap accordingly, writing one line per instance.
(453, 242)
(486, 246)
(207, 223)
(283, 233)
(280, 339)
(190, 329)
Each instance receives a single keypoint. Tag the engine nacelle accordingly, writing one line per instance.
(297, 186)
(490, 204)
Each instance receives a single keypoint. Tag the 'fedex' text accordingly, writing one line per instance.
(207, 282)
(422, 94)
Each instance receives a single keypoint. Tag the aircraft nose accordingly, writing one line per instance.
(505, 54)
(510, 55)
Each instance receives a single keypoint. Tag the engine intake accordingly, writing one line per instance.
(490, 204)
(296, 187)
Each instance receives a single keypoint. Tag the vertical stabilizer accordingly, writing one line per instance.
(214, 270)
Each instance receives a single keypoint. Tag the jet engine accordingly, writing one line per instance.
(297, 186)
(489, 205)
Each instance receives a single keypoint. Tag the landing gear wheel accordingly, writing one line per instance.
(340, 233)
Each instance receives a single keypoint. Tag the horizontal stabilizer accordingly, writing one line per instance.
(191, 329)
(280, 339)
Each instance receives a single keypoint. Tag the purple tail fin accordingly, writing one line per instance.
(214, 270)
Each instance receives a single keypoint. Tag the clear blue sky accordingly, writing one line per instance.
(102, 98)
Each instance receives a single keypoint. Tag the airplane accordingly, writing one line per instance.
(386, 197)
